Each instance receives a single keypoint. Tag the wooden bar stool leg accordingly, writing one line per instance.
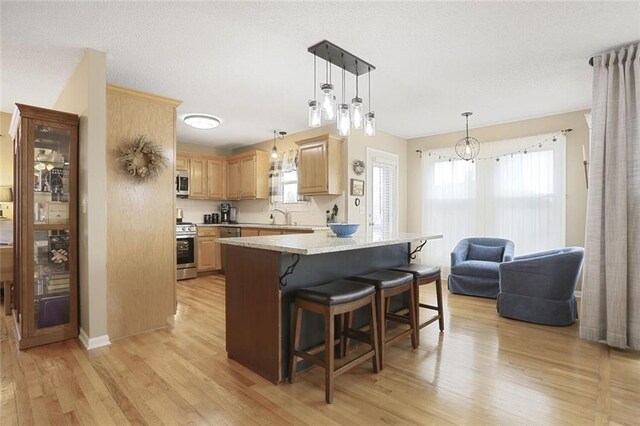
(347, 323)
(440, 309)
(295, 341)
(373, 333)
(329, 354)
(381, 326)
(413, 314)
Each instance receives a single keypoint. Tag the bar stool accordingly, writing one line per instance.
(336, 298)
(422, 275)
(391, 283)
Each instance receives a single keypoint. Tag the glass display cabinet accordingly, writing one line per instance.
(45, 225)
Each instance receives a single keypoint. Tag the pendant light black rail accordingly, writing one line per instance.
(341, 58)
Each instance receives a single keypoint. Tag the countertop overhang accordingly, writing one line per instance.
(324, 242)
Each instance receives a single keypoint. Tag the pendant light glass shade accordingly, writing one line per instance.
(356, 113)
(328, 101)
(344, 121)
(370, 124)
(315, 116)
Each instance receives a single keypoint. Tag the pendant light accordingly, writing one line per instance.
(370, 117)
(274, 150)
(467, 148)
(328, 99)
(356, 106)
(315, 116)
(344, 119)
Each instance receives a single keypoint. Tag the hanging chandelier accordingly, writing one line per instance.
(347, 116)
(467, 148)
(278, 135)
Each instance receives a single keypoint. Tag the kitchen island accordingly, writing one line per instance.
(263, 273)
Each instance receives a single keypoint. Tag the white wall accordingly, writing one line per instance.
(85, 95)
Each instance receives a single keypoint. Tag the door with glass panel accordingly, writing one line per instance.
(45, 230)
(382, 192)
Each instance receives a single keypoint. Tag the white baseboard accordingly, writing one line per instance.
(94, 342)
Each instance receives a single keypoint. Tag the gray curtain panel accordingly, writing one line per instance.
(610, 310)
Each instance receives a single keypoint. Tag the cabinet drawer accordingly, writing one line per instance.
(208, 231)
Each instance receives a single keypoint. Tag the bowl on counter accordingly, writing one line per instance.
(344, 229)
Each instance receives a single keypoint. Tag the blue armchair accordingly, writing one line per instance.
(539, 287)
(474, 265)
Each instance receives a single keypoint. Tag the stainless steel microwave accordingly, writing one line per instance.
(182, 184)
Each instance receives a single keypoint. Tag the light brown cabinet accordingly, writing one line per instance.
(197, 178)
(182, 163)
(320, 165)
(45, 225)
(207, 176)
(249, 232)
(215, 179)
(209, 253)
(248, 176)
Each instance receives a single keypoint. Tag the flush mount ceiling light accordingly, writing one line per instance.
(348, 116)
(467, 148)
(201, 121)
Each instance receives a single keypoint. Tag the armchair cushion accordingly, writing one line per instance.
(477, 268)
(485, 253)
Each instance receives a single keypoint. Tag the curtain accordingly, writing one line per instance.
(507, 193)
(275, 181)
(610, 305)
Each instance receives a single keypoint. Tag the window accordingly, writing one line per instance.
(382, 191)
(290, 187)
(521, 197)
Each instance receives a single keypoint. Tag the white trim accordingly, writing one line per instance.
(94, 342)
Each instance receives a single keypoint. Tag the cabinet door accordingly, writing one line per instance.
(217, 255)
(215, 179)
(206, 254)
(248, 177)
(312, 168)
(233, 184)
(182, 162)
(197, 178)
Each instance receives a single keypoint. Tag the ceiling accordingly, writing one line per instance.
(247, 62)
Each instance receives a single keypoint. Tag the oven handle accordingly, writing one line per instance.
(184, 237)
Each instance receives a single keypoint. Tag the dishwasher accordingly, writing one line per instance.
(227, 232)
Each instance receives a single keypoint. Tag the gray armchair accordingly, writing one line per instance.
(474, 265)
(539, 287)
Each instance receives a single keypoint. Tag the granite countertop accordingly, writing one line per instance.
(323, 242)
(268, 226)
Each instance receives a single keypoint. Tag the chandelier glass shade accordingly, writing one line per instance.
(347, 116)
(467, 148)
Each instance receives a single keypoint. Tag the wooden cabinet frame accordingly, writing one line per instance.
(320, 165)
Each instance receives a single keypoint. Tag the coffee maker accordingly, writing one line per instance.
(225, 211)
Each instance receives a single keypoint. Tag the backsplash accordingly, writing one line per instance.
(258, 211)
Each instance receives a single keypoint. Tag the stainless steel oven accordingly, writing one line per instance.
(187, 250)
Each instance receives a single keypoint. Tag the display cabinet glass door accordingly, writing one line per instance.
(52, 251)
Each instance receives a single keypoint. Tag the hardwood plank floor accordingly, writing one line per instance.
(483, 370)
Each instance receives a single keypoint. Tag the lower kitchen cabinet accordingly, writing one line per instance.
(209, 254)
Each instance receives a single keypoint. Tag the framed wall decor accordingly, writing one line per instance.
(357, 188)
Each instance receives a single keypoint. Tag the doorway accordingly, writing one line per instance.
(382, 192)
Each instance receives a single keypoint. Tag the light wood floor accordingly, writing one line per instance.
(483, 370)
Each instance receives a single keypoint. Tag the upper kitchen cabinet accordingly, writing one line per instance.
(182, 163)
(207, 178)
(197, 178)
(215, 178)
(248, 176)
(320, 165)
(45, 226)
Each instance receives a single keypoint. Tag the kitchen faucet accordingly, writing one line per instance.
(286, 214)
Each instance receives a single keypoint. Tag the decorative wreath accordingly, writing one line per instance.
(358, 167)
(143, 159)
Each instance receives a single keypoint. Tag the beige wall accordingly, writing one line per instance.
(85, 95)
(141, 244)
(6, 160)
(576, 188)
